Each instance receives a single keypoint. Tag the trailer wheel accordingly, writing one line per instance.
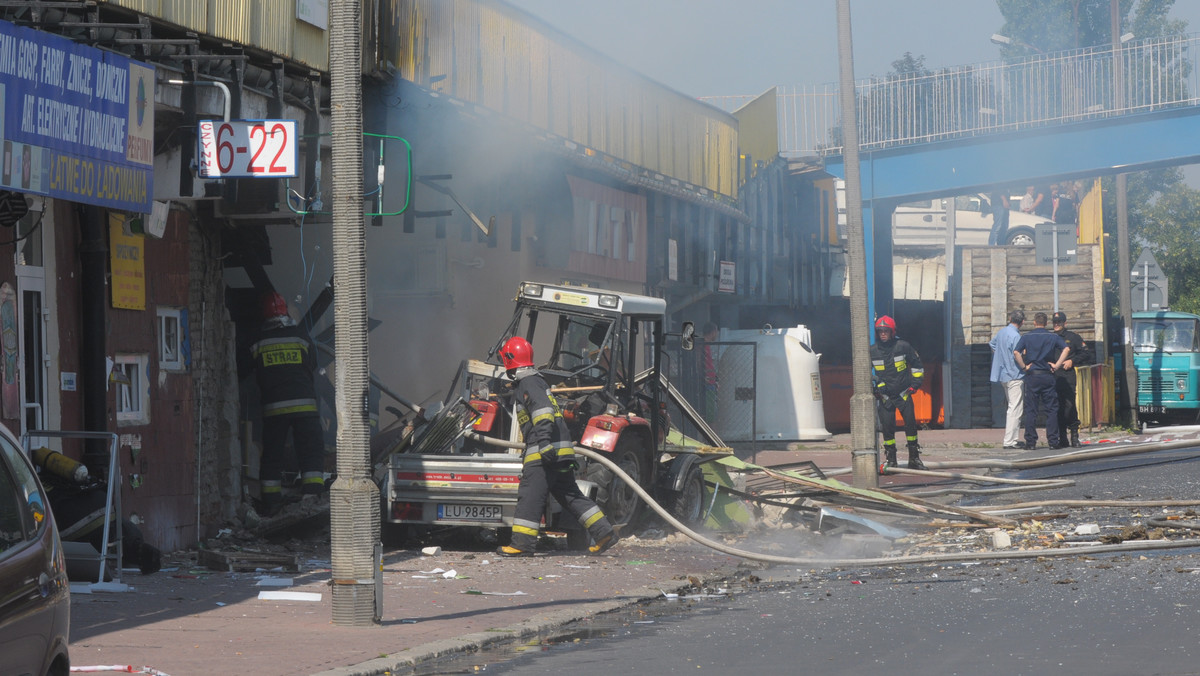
(620, 502)
(687, 504)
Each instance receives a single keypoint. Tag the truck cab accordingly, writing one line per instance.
(1166, 355)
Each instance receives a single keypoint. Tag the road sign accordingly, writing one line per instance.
(1148, 290)
(1043, 243)
(247, 149)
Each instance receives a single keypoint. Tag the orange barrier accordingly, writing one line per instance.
(1095, 394)
(837, 386)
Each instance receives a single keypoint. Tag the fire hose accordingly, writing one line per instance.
(873, 561)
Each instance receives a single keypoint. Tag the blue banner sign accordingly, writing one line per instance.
(78, 122)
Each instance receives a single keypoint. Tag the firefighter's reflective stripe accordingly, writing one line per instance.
(313, 478)
(290, 406)
(525, 527)
(531, 456)
(590, 517)
(878, 364)
(277, 351)
(901, 362)
(271, 487)
(542, 415)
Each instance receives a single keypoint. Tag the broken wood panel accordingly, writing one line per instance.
(244, 562)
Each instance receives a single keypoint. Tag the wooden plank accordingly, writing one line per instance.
(246, 561)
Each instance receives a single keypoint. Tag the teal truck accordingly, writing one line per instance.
(1166, 354)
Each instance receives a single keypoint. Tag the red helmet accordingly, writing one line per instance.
(273, 305)
(885, 322)
(516, 353)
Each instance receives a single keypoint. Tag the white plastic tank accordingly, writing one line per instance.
(778, 401)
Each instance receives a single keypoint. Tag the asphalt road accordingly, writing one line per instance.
(1117, 614)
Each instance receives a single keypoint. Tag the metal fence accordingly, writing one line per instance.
(991, 97)
(720, 380)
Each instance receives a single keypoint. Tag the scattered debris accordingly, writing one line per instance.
(274, 582)
(288, 596)
(246, 561)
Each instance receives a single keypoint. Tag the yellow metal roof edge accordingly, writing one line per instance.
(558, 34)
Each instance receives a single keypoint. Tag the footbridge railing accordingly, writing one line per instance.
(988, 98)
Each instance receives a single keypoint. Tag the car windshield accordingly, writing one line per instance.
(1168, 335)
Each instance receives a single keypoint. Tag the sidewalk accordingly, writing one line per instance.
(187, 620)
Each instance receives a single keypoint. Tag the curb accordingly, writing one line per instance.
(412, 657)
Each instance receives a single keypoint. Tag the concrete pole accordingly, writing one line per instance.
(353, 497)
(862, 401)
(1124, 269)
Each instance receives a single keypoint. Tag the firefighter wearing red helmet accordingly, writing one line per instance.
(284, 364)
(549, 459)
(897, 372)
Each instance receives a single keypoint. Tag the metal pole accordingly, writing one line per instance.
(862, 401)
(1145, 286)
(948, 305)
(1054, 246)
(354, 497)
(1129, 389)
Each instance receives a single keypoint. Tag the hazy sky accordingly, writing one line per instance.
(736, 47)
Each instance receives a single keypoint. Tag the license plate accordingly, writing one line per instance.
(1152, 409)
(453, 512)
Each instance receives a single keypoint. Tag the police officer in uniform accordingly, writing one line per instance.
(1064, 381)
(1040, 354)
(897, 371)
(549, 459)
(284, 364)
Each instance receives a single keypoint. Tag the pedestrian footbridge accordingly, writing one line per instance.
(1047, 118)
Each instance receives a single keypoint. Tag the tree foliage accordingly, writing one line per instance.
(1056, 25)
(1163, 211)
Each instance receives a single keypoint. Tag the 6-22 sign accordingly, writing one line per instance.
(247, 148)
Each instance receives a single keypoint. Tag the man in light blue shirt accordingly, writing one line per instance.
(1006, 372)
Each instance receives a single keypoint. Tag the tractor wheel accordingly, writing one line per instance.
(687, 504)
(620, 502)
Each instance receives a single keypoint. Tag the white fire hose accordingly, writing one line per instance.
(877, 561)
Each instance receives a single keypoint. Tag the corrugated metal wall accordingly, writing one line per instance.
(490, 54)
(270, 25)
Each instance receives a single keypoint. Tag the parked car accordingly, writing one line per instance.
(35, 596)
(923, 222)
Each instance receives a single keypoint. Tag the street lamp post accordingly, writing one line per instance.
(1128, 392)
(862, 400)
(1004, 40)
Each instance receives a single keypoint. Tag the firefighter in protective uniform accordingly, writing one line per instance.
(897, 372)
(549, 459)
(284, 364)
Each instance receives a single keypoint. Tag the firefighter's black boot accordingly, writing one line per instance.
(1075, 439)
(889, 458)
(914, 457)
